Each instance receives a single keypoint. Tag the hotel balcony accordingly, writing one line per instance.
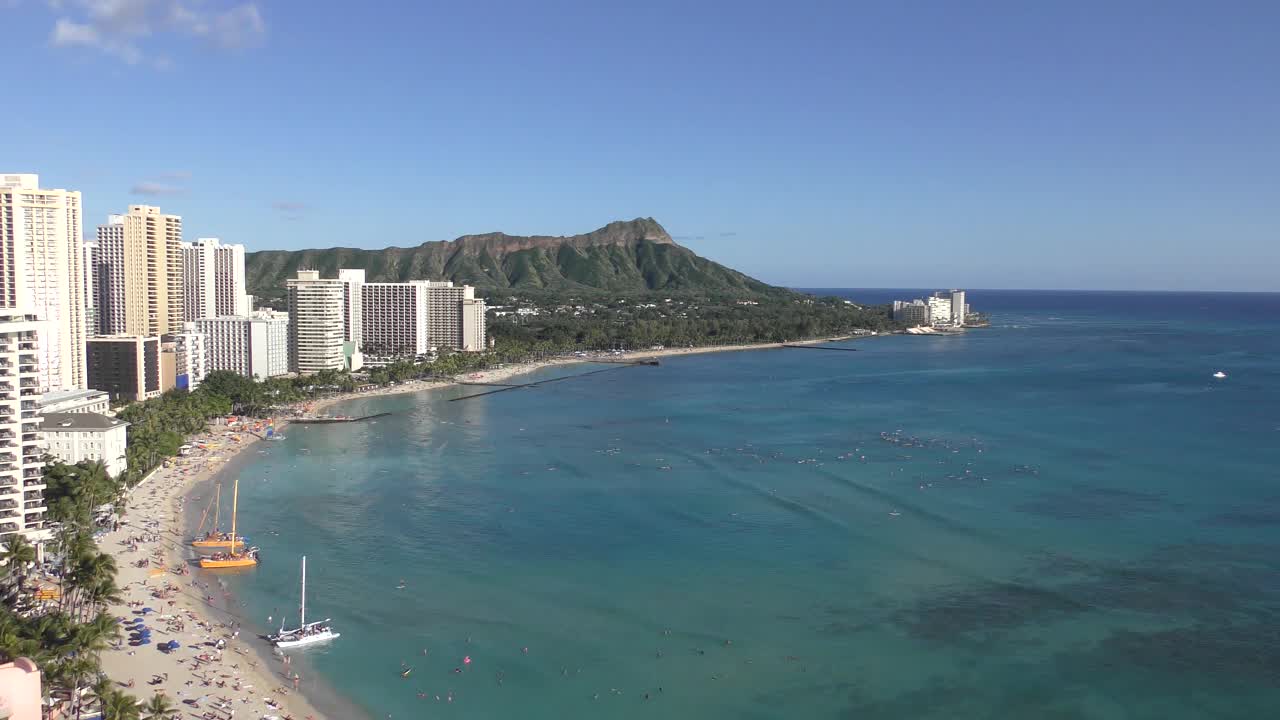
(5, 514)
(8, 504)
(8, 527)
(6, 457)
(31, 505)
(34, 483)
(32, 472)
(7, 434)
(29, 382)
(33, 495)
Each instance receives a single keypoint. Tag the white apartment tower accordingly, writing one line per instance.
(317, 309)
(22, 504)
(394, 325)
(141, 271)
(939, 309)
(183, 359)
(352, 304)
(213, 279)
(958, 308)
(40, 238)
(256, 346)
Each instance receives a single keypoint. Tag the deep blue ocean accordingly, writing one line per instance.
(1061, 516)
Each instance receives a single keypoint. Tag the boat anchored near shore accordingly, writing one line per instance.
(306, 633)
(247, 557)
(215, 538)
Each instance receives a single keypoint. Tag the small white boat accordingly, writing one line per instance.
(1219, 374)
(306, 633)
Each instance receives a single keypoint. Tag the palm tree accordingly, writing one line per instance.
(96, 635)
(71, 675)
(159, 707)
(119, 705)
(16, 554)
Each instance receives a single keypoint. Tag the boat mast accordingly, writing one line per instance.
(302, 616)
(235, 506)
(217, 506)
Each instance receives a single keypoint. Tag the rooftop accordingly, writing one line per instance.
(58, 396)
(63, 422)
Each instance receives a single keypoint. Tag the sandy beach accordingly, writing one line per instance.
(245, 678)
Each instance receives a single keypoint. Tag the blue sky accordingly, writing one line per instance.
(992, 144)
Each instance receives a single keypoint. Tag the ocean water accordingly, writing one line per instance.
(1061, 516)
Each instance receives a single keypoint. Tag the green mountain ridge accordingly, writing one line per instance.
(624, 256)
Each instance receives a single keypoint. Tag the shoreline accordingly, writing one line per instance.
(254, 678)
(152, 531)
(507, 372)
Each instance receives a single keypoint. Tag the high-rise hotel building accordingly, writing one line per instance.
(394, 325)
(213, 279)
(455, 317)
(140, 273)
(43, 260)
(320, 311)
(36, 230)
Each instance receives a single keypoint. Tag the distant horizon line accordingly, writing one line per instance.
(1046, 290)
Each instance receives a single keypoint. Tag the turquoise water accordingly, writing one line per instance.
(1061, 516)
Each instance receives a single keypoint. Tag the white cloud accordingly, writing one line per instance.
(72, 34)
(150, 187)
(117, 27)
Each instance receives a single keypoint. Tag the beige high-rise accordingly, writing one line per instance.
(142, 251)
(42, 252)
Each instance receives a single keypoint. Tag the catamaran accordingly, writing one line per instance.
(247, 557)
(304, 634)
(215, 538)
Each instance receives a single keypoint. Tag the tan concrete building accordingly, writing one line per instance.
(42, 268)
(473, 327)
(455, 317)
(144, 278)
